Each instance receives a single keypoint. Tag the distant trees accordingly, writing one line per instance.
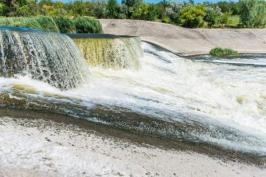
(131, 6)
(212, 16)
(132, 3)
(113, 9)
(253, 13)
(192, 16)
(3, 9)
(245, 13)
(146, 12)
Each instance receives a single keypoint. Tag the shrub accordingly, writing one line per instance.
(166, 19)
(47, 23)
(233, 21)
(224, 19)
(192, 16)
(223, 52)
(64, 24)
(87, 25)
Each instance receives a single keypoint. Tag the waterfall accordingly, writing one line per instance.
(197, 101)
(116, 53)
(49, 57)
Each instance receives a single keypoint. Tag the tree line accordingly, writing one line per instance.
(244, 13)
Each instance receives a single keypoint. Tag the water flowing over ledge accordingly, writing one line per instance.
(108, 51)
(49, 57)
(167, 96)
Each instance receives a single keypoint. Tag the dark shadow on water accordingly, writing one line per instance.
(100, 36)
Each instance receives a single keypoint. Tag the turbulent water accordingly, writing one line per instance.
(48, 57)
(173, 97)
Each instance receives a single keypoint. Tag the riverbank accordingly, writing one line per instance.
(49, 146)
(184, 41)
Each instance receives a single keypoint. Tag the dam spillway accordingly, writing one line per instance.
(167, 96)
(108, 51)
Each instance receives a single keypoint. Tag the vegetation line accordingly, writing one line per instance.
(55, 24)
(244, 13)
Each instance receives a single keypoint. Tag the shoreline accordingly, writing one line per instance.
(186, 41)
(42, 147)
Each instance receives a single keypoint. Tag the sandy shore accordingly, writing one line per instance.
(40, 147)
(189, 41)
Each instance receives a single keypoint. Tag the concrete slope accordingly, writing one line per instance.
(189, 41)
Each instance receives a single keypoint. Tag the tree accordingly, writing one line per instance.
(112, 9)
(131, 5)
(253, 13)
(173, 12)
(146, 12)
(164, 4)
(212, 16)
(3, 9)
(192, 16)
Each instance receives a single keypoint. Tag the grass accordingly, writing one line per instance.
(39, 22)
(233, 21)
(55, 24)
(223, 52)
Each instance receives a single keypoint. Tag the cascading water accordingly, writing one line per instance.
(48, 57)
(116, 53)
(169, 96)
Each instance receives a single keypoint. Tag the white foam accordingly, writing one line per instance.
(234, 96)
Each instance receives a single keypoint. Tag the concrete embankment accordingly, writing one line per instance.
(186, 41)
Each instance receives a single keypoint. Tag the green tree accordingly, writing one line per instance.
(112, 9)
(164, 4)
(132, 3)
(212, 16)
(131, 6)
(3, 9)
(146, 12)
(99, 9)
(253, 13)
(192, 16)
(173, 12)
